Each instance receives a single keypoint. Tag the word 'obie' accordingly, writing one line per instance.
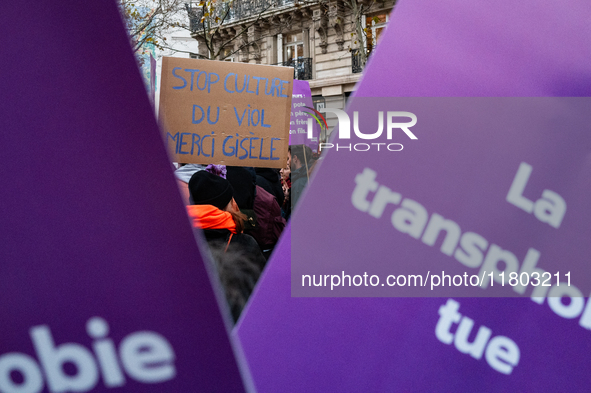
(145, 357)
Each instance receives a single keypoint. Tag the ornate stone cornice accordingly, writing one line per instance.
(336, 20)
(320, 20)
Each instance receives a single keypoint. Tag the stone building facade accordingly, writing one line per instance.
(315, 37)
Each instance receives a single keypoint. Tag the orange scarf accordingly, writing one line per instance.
(210, 217)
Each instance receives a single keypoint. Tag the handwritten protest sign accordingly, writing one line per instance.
(225, 113)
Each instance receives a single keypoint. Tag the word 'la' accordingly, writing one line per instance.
(550, 208)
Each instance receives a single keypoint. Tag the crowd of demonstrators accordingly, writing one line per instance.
(237, 256)
(241, 222)
(270, 180)
(265, 223)
(242, 212)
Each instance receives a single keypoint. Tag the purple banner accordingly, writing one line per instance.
(485, 49)
(491, 207)
(102, 283)
(302, 109)
(459, 48)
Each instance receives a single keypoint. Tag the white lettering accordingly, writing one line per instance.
(515, 196)
(471, 251)
(105, 352)
(376, 134)
(146, 356)
(502, 354)
(576, 303)
(437, 224)
(382, 198)
(365, 184)
(403, 126)
(26, 367)
(550, 208)
(410, 218)
(476, 348)
(53, 358)
(495, 255)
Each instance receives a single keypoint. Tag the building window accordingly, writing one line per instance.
(293, 55)
(293, 47)
(375, 25)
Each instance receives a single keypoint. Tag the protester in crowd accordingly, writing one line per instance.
(237, 256)
(264, 221)
(183, 175)
(185, 171)
(286, 186)
(243, 181)
(270, 180)
(301, 169)
(270, 223)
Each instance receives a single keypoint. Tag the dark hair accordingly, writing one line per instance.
(238, 273)
(298, 151)
(243, 181)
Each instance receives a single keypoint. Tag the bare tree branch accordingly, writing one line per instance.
(148, 21)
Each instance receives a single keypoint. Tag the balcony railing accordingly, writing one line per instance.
(240, 9)
(302, 67)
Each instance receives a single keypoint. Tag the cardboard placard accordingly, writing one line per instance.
(227, 113)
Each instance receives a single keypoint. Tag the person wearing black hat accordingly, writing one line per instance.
(264, 222)
(301, 168)
(238, 258)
